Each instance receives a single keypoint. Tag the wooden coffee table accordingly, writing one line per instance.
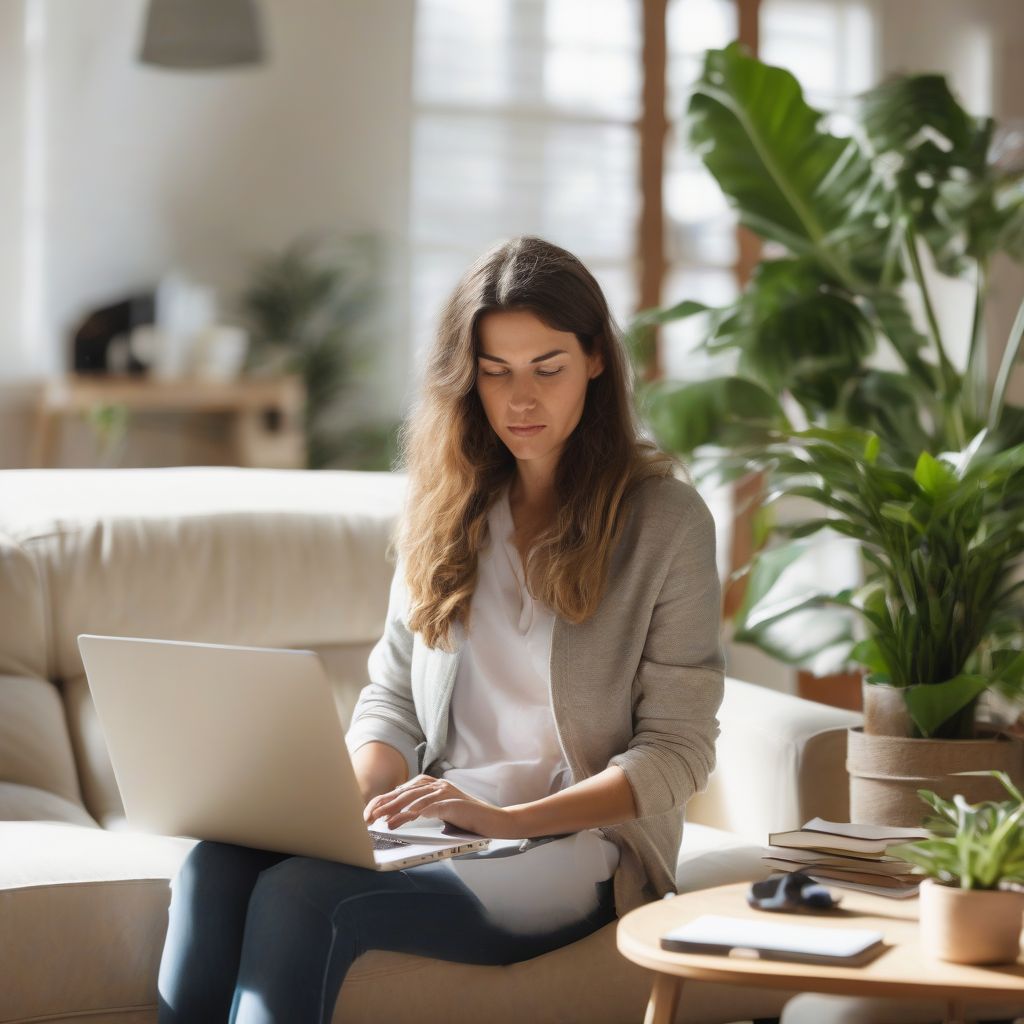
(902, 970)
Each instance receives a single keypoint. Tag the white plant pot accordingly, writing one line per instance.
(970, 926)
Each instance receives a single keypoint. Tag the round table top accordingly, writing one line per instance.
(901, 970)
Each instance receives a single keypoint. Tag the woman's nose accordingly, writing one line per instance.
(522, 396)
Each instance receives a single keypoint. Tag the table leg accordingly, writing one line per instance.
(661, 1008)
(43, 438)
(955, 1012)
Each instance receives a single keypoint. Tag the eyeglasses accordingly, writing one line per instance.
(791, 893)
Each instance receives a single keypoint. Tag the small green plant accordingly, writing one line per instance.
(308, 309)
(973, 846)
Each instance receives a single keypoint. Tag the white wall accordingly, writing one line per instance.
(12, 125)
(147, 169)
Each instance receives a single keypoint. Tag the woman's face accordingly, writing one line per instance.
(531, 376)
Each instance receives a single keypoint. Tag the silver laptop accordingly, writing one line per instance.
(241, 745)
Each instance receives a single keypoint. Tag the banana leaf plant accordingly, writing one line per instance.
(848, 220)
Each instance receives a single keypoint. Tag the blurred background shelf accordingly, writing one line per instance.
(265, 412)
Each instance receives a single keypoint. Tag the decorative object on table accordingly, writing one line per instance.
(202, 34)
(102, 343)
(311, 310)
(920, 468)
(846, 854)
(972, 899)
(184, 310)
(220, 352)
(794, 892)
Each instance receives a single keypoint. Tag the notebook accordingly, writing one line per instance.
(766, 940)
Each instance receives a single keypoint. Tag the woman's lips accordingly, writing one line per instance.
(526, 431)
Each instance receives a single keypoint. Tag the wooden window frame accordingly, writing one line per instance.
(651, 262)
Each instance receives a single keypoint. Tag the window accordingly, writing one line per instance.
(525, 122)
(700, 229)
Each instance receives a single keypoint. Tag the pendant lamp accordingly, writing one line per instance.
(202, 34)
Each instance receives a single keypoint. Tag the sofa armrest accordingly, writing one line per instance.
(780, 761)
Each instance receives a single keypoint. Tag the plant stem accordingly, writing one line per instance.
(1005, 369)
(947, 373)
(977, 356)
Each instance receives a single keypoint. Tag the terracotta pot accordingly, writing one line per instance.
(887, 771)
(970, 926)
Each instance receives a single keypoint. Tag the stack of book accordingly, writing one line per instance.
(847, 855)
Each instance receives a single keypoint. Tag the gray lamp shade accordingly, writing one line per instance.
(202, 34)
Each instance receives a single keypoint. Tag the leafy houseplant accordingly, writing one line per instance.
(920, 466)
(971, 903)
(943, 538)
(306, 308)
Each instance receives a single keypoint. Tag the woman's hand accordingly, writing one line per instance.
(434, 798)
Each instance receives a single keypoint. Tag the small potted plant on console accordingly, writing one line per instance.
(973, 896)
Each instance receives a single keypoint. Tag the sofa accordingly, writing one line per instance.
(300, 559)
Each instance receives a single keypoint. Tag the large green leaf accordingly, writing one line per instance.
(940, 153)
(797, 331)
(728, 411)
(933, 705)
(887, 403)
(791, 181)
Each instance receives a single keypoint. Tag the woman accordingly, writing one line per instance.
(550, 670)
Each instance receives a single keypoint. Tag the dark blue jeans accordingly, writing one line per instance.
(264, 938)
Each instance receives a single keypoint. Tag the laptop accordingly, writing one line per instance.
(242, 745)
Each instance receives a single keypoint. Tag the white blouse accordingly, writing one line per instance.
(501, 730)
(504, 747)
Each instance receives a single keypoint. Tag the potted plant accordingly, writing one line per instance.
(937, 622)
(971, 899)
(848, 221)
(307, 308)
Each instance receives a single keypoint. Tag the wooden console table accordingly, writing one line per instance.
(266, 411)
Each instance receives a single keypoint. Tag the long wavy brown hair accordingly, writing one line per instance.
(457, 465)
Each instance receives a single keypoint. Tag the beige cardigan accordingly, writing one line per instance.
(638, 684)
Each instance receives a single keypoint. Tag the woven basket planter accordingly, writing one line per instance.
(887, 771)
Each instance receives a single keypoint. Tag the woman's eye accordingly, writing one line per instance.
(504, 373)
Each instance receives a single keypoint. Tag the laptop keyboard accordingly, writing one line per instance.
(381, 843)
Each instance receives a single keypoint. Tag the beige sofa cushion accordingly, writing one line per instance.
(23, 611)
(268, 557)
(27, 803)
(709, 857)
(780, 761)
(82, 917)
(35, 749)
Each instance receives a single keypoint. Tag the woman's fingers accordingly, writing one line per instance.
(389, 803)
(414, 809)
